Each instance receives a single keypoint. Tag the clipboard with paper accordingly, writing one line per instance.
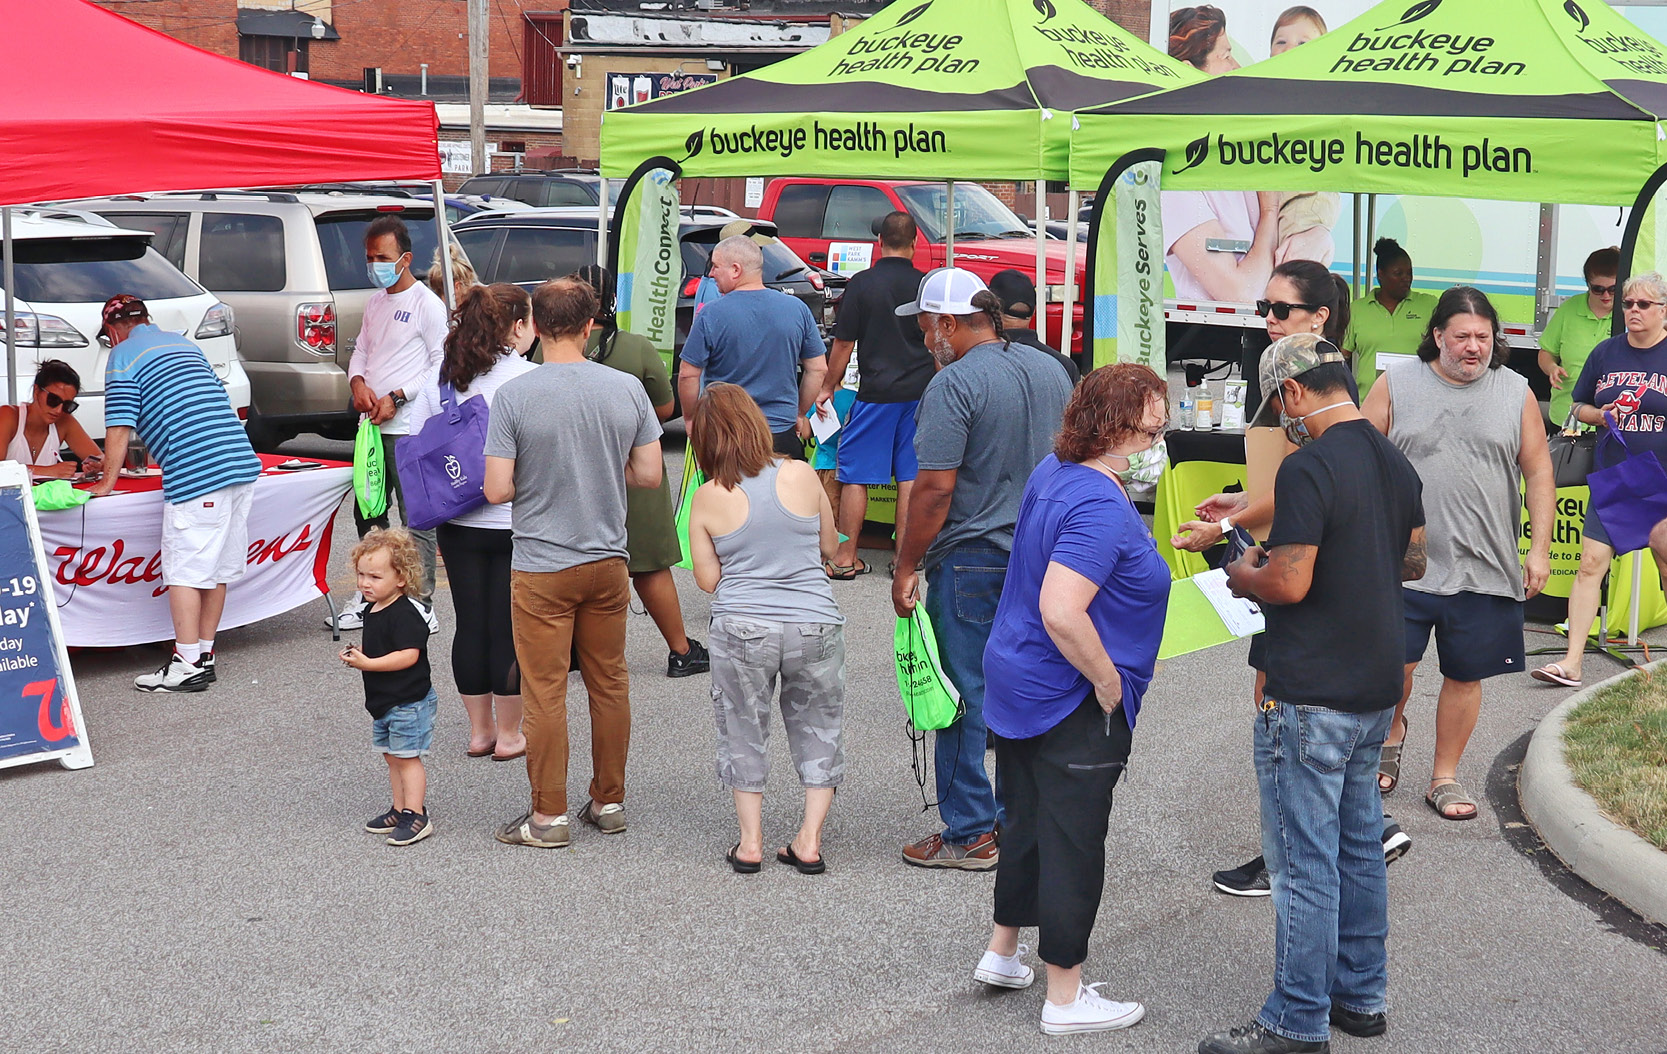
(1203, 613)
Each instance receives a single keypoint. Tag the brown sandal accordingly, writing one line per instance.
(1389, 764)
(1446, 795)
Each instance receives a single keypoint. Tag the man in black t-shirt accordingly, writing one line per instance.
(877, 444)
(1348, 529)
(1017, 294)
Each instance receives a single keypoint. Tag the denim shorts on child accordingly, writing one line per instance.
(406, 731)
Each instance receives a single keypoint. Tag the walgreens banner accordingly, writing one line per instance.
(104, 559)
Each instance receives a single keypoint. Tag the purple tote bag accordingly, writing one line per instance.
(442, 469)
(1629, 497)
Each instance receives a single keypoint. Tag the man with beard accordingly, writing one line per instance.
(1473, 431)
(985, 421)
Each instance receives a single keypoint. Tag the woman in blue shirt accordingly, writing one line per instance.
(1070, 656)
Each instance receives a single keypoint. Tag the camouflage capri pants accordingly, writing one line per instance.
(748, 655)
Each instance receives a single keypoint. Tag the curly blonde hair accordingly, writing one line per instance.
(402, 555)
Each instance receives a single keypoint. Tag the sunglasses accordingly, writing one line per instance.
(1640, 305)
(54, 400)
(1281, 310)
(1601, 290)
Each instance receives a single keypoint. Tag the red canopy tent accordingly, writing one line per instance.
(137, 110)
(102, 105)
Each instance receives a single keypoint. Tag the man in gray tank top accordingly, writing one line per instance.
(1473, 431)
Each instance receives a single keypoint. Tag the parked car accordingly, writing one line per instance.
(529, 248)
(67, 265)
(565, 187)
(813, 214)
(293, 267)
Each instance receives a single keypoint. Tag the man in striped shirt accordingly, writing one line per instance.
(161, 385)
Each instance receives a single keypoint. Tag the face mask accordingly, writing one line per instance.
(383, 274)
(1295, 430)
(1143, 466)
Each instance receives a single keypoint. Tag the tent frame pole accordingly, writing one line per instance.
(443, 239)
(1041, 305)
(949, 224)
(9, 279)
(604, 236)
(1629, 240)
(1108, 188)
(608, 235)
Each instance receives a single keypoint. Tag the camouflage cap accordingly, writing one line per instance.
(1285, 358)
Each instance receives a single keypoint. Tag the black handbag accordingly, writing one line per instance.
(1572, 453)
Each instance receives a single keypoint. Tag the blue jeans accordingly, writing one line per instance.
(961, 596)
(1322, 830)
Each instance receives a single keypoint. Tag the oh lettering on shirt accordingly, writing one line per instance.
(402, 316)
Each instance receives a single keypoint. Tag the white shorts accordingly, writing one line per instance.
(205, 541)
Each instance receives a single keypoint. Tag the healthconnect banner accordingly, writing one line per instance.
(651, 261)
(1128, 281)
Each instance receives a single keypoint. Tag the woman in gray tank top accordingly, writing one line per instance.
(759, 529)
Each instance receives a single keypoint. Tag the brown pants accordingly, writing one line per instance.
(580, 610)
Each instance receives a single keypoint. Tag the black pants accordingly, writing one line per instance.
(483, 651)
(1056, 790)
(789, 443)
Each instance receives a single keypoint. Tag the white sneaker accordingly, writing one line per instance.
(351, 615)
(1005, 971)
(1090, 1013)
(176, 675)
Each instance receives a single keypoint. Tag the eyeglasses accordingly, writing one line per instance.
(54, 400)
(1601, 290)
(1281, 310)
(1156, 433)
(1640, 305)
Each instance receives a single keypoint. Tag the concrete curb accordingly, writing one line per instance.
(1572, 825)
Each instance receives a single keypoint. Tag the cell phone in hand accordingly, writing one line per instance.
(1238, 542)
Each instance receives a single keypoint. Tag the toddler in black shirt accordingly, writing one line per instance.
(393, 660)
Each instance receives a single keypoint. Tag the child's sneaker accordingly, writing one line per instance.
(413, 827)
(206, 664)
(383, 824)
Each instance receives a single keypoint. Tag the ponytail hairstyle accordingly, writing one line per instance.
(601, 279)
(989, 308)
(1318, 286)
(1464, 300)
(481, 333)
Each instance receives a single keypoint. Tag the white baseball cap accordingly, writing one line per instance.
(946, 291)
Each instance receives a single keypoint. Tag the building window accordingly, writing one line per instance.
(273, 53)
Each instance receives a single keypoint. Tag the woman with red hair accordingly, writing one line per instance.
(1071, 653)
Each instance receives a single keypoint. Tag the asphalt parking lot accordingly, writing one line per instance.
(206, 887)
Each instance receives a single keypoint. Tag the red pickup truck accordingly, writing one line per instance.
(813, 214)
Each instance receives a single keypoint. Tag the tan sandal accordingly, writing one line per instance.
(1389, 764)
(1448, 794)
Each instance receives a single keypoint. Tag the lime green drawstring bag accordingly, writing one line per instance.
(370, 474)
(693, 477)
(57, 494)
(928, 696)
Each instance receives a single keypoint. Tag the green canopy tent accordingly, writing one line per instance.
(965, 89)
(1515, 100)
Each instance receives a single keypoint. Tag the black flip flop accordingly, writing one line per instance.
(742, 867)
(804, 867)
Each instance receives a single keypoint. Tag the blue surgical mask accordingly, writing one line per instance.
(383, 274)
(1296, 431)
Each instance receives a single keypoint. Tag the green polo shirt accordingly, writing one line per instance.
(1570, 335)
(1374, 328)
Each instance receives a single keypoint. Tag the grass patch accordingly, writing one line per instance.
(1615, 743)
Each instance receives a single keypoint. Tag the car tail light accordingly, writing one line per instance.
(390, 208)
(217, 322)
(315, 328)
(815, 280)
(46, 331)
(691, 287)
(242, 413)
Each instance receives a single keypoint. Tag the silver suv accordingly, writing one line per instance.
(292, 265)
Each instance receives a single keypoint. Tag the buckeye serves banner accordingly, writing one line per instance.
(104, 559)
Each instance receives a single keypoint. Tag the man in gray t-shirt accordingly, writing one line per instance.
(563, 443)
(985, 421)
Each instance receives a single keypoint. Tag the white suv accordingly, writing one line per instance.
(67, 265)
